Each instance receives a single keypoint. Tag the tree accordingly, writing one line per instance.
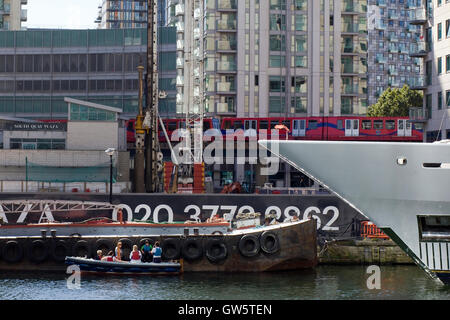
(396, 102)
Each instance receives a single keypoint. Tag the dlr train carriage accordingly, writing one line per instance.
(305, 128)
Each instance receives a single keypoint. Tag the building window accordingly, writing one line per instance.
(439, 65)
(439, 31)
(439, 96)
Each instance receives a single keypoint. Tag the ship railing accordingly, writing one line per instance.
(289, 190)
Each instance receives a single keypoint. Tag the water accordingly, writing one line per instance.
(325, 282)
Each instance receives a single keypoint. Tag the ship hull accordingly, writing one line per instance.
(284, 246)
(335, 217)
(396, 185)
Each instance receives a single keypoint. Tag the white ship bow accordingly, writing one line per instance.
(393, 184)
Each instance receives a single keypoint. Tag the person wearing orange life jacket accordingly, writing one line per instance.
(135, 255)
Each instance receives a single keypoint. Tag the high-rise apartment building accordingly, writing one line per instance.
(12, 14)
(272, 58)
(434, 17)
(396, 45)
(127, 14)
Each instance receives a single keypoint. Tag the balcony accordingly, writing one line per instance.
(381, 59)
(179, 9)
(226, 25)
(419, 49)
(417, 83)
(226, 66)
(418, 115)
(226, 45)
(180, 63)
(349, 89)
(380, 25)
(180, 81)
(350, 28)
(381, 3)
(393, 71)
(226, 5)
(23, 15)
(393, 48)
(418, 16)
(350, 7)
(223, 107)
(180, 26)
(226, 87)
(394, 83)
(180, 44)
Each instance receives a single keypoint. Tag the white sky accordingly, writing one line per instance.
(62, 14)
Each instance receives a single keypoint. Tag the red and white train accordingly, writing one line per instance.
(306, 128)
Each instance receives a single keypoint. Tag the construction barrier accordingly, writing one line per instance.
(370, 230)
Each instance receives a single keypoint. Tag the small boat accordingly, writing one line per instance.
(108, 267)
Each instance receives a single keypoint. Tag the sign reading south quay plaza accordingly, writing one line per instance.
(25, 126)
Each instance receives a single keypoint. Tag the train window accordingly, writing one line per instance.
(130, 125)
(172, 126)
(367, 124)
(273, 123)
(238, 124)
(312, 124)
(340, 125)
(390, 124)
(227, 124)
(418, 126)
(287, 123)
(182, 124)
(378, 124)
(249, 124)
(206, 125)
(263, 124)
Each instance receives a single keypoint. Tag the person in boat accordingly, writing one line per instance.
(118, 252)
(135, 255)
(146, 251)
(157, 252)
(109, 257)
(99, 255)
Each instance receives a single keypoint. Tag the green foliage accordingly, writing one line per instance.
(396, 102)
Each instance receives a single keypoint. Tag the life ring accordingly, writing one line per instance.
(249, 245)
(38, 251)
(59, 250)
(105, 245)
(12, 251)
(216, 250)
(171, 249)
(192, 249)
(269, 242)
(81, 249)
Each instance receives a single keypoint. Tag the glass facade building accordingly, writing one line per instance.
(396, 46)
(39, 68)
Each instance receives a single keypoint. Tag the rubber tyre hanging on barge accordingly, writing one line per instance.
(192, 249)
(216, 250)
(170, 249)
(269, 242)
(249, 245)
(59, 250)
(81, 249)
(38, 251)
(12, 251)
(105, 245)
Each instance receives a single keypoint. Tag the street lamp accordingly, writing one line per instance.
(110, 153)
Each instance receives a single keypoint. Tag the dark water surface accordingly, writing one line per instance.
(325, 282)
